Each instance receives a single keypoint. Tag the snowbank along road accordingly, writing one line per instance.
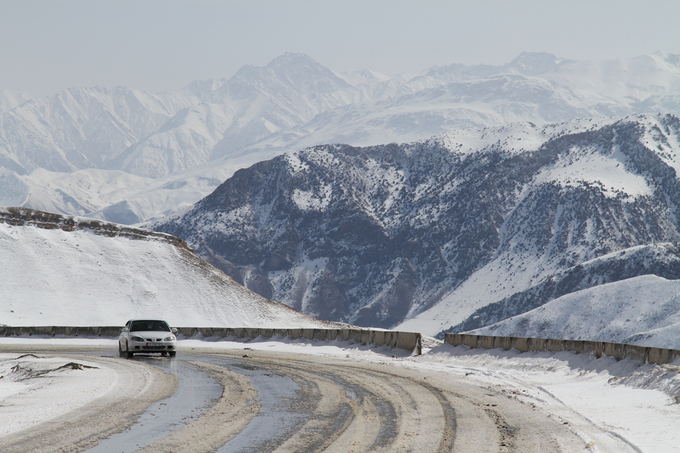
(67, 403)
(246, 400)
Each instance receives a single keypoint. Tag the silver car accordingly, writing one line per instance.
(147, 335)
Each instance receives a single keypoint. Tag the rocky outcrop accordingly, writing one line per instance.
(382, 234)
(51, 221)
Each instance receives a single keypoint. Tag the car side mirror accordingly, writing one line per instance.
(174, 330)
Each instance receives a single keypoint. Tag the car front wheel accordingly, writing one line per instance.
(129, 353)
(120, 350)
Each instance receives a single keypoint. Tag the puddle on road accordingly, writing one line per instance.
(196, 392)
(279, 415)
(283, 406)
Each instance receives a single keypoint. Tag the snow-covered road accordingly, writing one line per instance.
(272, 396)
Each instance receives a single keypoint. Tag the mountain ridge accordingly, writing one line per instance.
(218, 126)
(422, 235)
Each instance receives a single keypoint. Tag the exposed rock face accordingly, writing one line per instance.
(51, 221)
(425, 234)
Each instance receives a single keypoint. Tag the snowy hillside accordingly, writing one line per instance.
(456, 232)
(644, 309)
(73, 271)
(163, 141)
(661, 259)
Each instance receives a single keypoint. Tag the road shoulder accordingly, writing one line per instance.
(131, 388)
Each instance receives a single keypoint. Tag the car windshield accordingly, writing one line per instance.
(150, 326)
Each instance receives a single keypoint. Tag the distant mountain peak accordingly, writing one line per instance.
(535, 56)
(11, 98)
(364, 77)
(534, 63)
(289, 103)
(671, 58)
(295, 69)
(206, 85)
(295, 58)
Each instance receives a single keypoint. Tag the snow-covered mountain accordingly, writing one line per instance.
(536, 87)
(81, 127)
(178, 145)
(10, 99)
(76, 271)
(659, 259)
(460, 231)
(255, 103)
(643, 309)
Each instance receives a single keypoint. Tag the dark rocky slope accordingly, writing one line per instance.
(384, 234)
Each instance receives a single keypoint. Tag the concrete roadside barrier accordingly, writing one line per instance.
(408, 341)
(618, 351)
(60, 331)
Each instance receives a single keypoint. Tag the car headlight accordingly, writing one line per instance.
(137, 339)
(170, 338)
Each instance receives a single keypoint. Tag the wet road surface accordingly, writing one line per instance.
(253, 401)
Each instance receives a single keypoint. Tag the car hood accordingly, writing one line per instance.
(150, 334)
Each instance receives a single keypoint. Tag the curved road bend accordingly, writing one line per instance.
(253, 401)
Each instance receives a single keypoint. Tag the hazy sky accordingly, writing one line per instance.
(52, 44)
